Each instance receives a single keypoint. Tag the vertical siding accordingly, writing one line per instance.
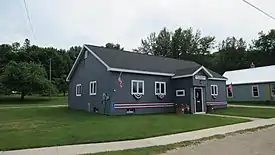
(244, 93)
(123, 95)
(268, 92)
(89, 69)
(222, 94)
(187, 85)
(272, 98)
(197, 82)
(201, 84)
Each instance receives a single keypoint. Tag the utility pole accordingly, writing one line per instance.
(50, 77)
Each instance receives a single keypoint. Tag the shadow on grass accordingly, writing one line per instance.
(253, 103)
(15, 100)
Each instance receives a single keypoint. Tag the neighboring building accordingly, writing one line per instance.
(252, 84)
(114, 82)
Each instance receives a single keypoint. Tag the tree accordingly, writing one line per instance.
(15, 46)
(27, 44)
(264, 48)
(232, 55)
(26, 78)
(73, 52)
(148, 45)
(163, 44)
(177, 44)
(114, 46)
(206, 44)
(5, 55)
(61, 84)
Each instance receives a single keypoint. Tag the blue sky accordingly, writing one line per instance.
(63, 23)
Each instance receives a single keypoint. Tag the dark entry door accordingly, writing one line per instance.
(198, 101)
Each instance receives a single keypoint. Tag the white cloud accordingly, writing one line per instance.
(64, 23)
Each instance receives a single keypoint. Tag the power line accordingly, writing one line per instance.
(29, 18)
(259, 9)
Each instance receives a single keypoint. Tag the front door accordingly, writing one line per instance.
(198, 100)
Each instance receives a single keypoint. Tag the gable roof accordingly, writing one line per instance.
(141, 62)
(251, 75)
(191, 72)
(124, 61)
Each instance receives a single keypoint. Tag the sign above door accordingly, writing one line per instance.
(200, 77)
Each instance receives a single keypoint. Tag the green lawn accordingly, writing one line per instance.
(14, 101)
(156, 150)
(253, 103)
(37, 127)
(248, 112)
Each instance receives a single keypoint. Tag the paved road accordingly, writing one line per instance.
(261, 142)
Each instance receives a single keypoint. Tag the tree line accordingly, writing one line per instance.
(230, 54)
(28, 68)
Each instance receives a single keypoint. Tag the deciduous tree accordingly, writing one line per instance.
(26, 78)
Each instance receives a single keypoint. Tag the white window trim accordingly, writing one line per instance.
(272, 85)
(203, 104)
(228, 93)
(257, 86)
(182, 90)
(217, 90)
(132, 82)
(78, 85)
(160, 83)
(94, 84)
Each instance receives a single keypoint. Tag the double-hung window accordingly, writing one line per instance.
(273, 90)
(137, 87)
(78, 90)
(160, 88)
(255, 91)
(214, 90)
(229, 92)
(93, 88)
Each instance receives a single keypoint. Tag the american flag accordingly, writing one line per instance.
(120, 81)
(230, 87)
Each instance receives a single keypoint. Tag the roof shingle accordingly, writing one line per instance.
(141, 62)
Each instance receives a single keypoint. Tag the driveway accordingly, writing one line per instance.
(261, 142)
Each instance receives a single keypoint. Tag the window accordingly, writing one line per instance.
(255, 91)
(130, 111)
(180, 92)
(137, 87)
(229, 92)
(93, 88)
(214, 90)
(78, 90)
(160, 88)
(273, 90)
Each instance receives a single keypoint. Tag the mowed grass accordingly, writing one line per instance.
(254, 103)
(38, 127)
(156, 150)
(14, 101)
(248, 112)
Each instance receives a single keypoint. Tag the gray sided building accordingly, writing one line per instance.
(114, 82)
(252, 84)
